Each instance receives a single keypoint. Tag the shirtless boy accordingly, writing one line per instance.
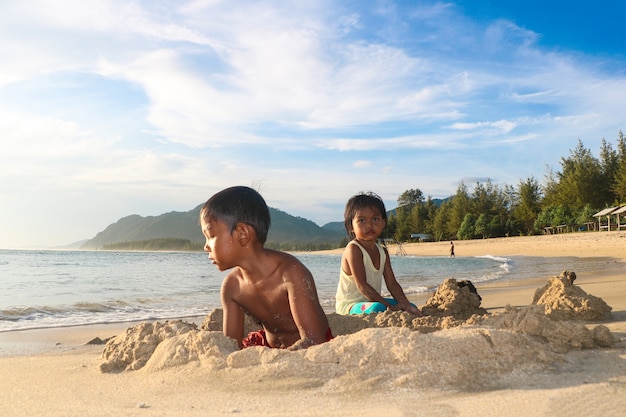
(273, 287)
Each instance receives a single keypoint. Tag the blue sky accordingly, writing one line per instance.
(112, 108)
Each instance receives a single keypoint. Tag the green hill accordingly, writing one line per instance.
(336, 227)
(136, 232)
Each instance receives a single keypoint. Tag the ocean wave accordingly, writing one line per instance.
(417, 289)
(496, 258)
(23, 318)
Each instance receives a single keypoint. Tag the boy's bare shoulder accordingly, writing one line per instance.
(232, 279)
(288, 263)
(280, 256)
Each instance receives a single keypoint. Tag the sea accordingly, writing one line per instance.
(60, 288)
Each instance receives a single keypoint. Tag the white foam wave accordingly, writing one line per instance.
(46, 317)
(496, 258)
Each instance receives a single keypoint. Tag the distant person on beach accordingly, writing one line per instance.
(273, 287)
(365, 263)
(452, 249)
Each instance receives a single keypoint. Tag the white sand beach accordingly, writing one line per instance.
(524, 365)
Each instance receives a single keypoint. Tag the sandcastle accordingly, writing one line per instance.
(457, 341)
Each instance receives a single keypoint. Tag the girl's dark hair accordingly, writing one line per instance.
(358, 202)
(239, 204)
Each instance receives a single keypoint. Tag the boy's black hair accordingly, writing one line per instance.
(239, 204)
(361, 201)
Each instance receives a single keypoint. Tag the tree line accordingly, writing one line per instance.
(161, 244)
(584, 185)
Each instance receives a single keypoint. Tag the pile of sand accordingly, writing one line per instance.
(562, 300)
(457, 346)
(132, 349)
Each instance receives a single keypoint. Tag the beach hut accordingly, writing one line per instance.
(422, 237)
(606, 212)
(620, 212)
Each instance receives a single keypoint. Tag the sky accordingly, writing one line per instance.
(113, 108)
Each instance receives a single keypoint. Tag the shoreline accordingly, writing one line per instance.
(579, 244)
(520, 291)
(50, 340)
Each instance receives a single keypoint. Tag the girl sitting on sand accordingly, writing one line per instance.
(365, 263)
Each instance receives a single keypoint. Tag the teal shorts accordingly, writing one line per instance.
(370, 307)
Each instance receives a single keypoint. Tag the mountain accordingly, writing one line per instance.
(285, 229)
(336, 227)
(180, 225)
(289, 229)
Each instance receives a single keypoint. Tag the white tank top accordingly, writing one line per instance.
(347, 292)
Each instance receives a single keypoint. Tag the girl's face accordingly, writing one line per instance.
(368, 224)
(220, 243)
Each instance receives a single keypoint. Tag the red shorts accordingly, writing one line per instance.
(258, 338)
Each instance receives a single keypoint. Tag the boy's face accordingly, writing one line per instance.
(220, 243)
(368, 224)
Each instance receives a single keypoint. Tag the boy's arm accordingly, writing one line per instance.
(305, 308)
(354, 259)
(396, 290)
(233, 318)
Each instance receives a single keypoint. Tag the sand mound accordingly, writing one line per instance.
(374, 358)
(458, 346)
(397, 357)
(453, 304)
(562, 300)
(132, 349)
(561, 336)
(208, 347)
(457, 299)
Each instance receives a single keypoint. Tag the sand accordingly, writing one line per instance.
(560, 357)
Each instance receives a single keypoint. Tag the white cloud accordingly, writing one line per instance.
(500, 126)
(361, 164)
